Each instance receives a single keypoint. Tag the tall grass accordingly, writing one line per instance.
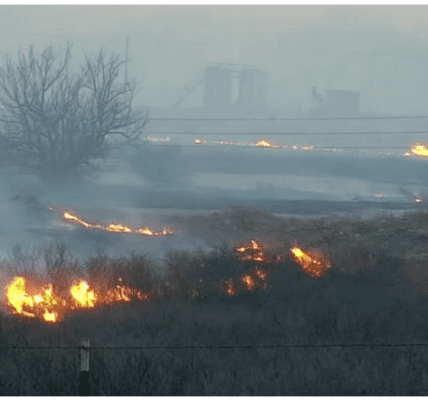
(367, 298)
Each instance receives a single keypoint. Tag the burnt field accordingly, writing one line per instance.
(243, 319)
(318, 162)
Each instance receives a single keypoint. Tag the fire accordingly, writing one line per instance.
(48, 306)
(83, 296)
(32, 305)
(308, 147)
(266, 143)
(145, 231)
(229, 288)
(258, 276)
(116, 228)
(123, 293)
(253, 252)
(311, 265)
(73, 218)
(248, 280)
(419, 149)
(260, 273)
(251, 280)
(148, 232)
(418, 200)
(200, 141)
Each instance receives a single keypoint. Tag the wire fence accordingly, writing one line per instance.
(84, 385)
(189, 347)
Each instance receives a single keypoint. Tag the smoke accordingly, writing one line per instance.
(29, 221)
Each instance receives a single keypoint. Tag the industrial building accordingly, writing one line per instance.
(218, 87)
(252, 89)
(336, 103)
(229, 88)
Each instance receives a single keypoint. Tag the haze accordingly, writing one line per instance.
(377, 53)
(378, 50)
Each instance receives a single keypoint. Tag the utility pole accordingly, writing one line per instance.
(126, 60)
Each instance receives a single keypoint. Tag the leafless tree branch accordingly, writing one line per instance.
(56, 123)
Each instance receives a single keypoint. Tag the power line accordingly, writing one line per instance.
(326, 148)
(287, 133)
(321, 148)
(360, 52)
(285, 119)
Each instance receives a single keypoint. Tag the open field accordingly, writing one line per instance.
(375, 293)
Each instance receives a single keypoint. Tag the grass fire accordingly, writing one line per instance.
(48, 305)
(116, 228)
(45, 304)
(346, 280)
(418, 149)
(310, 264)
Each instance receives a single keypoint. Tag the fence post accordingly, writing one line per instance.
(84, 368)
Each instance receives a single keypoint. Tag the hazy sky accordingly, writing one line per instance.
(380, 50)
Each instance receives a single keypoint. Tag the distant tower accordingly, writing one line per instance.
(126, 60)
(218, 87)
(317, 99)
(252, 89)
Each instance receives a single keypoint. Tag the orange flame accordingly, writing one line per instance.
(230, 289)
(32, 305)
(311, 265)
(266, 143)
(83, 296)
(47, 305)
(260, 273)
(253, 252)
(419, 149)
(145, 231)
(73, 218)
(248, 281)
(200, 141)
(116, 228)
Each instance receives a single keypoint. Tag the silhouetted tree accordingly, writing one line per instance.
(54, 122)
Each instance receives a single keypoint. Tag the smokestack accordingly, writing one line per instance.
(126, 60)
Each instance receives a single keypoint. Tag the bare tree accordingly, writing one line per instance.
(55, 122)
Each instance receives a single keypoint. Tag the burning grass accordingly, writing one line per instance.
(294, 309)
(241, 294)
(115, 228)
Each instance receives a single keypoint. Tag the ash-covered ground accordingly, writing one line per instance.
(214, 187)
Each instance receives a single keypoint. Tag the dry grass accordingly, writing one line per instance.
(375, 293)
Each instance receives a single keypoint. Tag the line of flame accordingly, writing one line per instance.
(116, 228)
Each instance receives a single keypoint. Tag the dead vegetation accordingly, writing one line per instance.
(375, 293)
(350, 242)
